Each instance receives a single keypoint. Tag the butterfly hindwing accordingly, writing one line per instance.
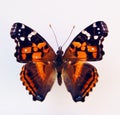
(31, 48)
(79, 79)
(38, 78)
(87, 45)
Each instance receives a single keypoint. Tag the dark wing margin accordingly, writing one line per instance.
(87, 45)
(79, 78)
(30, 46)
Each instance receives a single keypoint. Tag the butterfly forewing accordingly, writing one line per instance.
(30, 46)
(87, 45)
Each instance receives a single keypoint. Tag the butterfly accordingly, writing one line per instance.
(43, 65)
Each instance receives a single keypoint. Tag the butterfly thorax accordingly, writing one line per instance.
(59, 63)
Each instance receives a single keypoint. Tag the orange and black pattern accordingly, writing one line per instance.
(43, 64)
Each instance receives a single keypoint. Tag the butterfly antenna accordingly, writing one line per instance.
(54, 35)
(69, 35)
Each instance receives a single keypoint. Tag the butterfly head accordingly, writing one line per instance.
(59, 52)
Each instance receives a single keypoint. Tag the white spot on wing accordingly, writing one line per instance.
(19, 30)
(26, 50)
(32, 34)
(98, 28)
(22, 38)
(94, 25)
(23, 26)
(18, 34)
(99, 32)
(95, 37)
(92, 49)
(86, 33)
(18, 44)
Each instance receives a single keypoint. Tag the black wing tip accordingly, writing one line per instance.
(15, 27)
(105, 28)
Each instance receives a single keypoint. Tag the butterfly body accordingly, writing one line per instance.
(59, 64)
(43, 65)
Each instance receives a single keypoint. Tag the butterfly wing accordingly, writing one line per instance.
(31, 48)
(81, 77)
(38, 78)
(87, 45)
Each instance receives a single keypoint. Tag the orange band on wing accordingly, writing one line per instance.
(94, 55)
(26, 50)
(76, 44)
(27, 81)
(90, 83)
(78, 70)
(41, 45)
(36, 56)
(91, 48)
(82, 55)
(24, 56)
(40, 69)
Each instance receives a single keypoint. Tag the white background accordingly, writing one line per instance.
(62, 14)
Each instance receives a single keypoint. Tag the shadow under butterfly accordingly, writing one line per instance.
(38, 74)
